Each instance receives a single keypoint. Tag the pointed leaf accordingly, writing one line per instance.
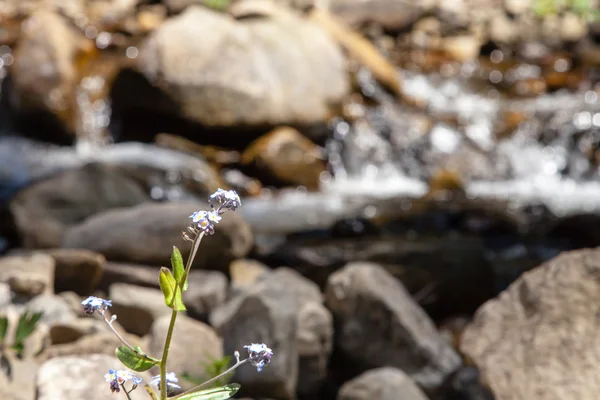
(136, 361)
(26, 325)
(178, 268)
(171, 291)
(218, 393)
(3, 328)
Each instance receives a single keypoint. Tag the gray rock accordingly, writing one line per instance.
(74, 330)
(380, 325)
(239, 75)
(538, 339)
(385, 383)
(284, 311)
(146, 233)
(245, 273)
(392, 15)
(206, 291)
(95, 343)
(137, 307)
(20, 386)
(81, 377)
(194, 344)
(43, 211)
(29, 275)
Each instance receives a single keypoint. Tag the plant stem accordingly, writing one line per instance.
(150, 392)
(163, 362)
(193, 252)
(195, 388)
(126, 392)
(117, 334)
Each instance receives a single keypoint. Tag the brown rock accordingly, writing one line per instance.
(288, 156)
(43, 73)
(96, 343)
(43, 211)
(392, 15)
(79, 271)
(146, 233)
(538, 339)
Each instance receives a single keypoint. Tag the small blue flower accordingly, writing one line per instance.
(206, 220)
(171, 381)
(117, 379)
(259, 354)
(93, 304)
(228, 199)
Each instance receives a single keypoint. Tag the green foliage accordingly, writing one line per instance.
(25, 327)
(171, 290)
(178, 269)
(219, 393)
(214, 367)
(217, 5)
(3, 329)
(583, 8)
(137, 361)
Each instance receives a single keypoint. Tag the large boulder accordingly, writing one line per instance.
(379, 325)
(539, 338)
(146, 234)
(29, 275)
(44, 210)
(250, 71)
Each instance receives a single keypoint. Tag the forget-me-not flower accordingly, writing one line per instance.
(117, 379)
(259, 354)
(171, 381)
(93, 304)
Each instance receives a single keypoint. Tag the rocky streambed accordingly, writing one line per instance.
(410, 174)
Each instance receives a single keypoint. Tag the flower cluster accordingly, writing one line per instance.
(117, 379)
(205, 221)
(171, 381)
(259, 355)
(93, 304)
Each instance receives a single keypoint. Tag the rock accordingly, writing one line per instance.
(20, 385)
(79, 271)
(206, 291)
(245, 273)
(43, 211)
(177, 6)
(193, 345)
(287, 156)
(5, 294)
(518, 7)
(573, 27)
(538, 339)
(380, 325)
(462, 48)
(385, 383)
(137, 307)
(134, 274)
(96, 343)
(146, 233)
(55, 378)
(30, 275)
(221, 83)
(55, 309)
(391, 15)
(43, 75)
(502, 30)
(299, 331)
(76, 329)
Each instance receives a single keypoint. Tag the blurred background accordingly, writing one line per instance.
(400, 162)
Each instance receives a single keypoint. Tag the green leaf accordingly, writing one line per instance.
(171, 291)
(3, 328)
(26, 325)
(136, 361)
(219, 393)
(178, 269)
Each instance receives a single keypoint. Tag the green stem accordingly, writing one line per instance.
(196, 388)
(150, 392)
(163, 362)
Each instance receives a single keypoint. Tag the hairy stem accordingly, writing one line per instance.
(163, 362)
(117, 334)
(188, 265)
(196, 388)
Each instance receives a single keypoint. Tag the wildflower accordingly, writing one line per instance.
(228, 199)
(117, 379)
(206, 220)
(171, 381)
(93, 304)
(259, 354)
